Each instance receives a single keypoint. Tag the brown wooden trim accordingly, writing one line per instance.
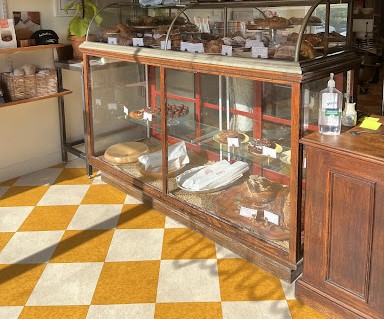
(37, 98)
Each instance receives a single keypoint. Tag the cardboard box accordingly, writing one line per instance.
(8, 36)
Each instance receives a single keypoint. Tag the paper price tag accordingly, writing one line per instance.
(267, 151)
(196, 48)
(138, 42)
(126, 111)
(233, 141)
(112, 106)
(184, 46)
(260, 52)
(98, 102)
(162, 45)
(247, 212)
(226, 50)
(112, 40)
(271, 217)
(156, 36)
(147, 116)
(253, 43)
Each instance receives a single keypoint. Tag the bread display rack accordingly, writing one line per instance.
(231, 124)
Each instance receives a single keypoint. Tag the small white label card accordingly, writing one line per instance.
(126, 111)
(138, 42)
(226, 50)
(184, 46)
(271, 217)
(196, 48)
(148, 35)
(162, 45)
(147, 116)
(247, 212)
(253, 43)
(267, 151)
(156, 36)
(260, 52)
(112, 40)
(112, 106)
(233, 141)
(305, 162)
(98, 102)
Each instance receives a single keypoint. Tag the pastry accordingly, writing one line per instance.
(286, 50)
(306, 50)
(262, 190)
(136, 21)
(214, 46)
(174, 110)
(149, 21)
(225, 134)
(282, 206)
(314, 39)
(272, 23)
(122, 28)
(136, 114)
(256, 146)
(124, 153)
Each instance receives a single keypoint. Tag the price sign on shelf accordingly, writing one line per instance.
(267, 151)
(126, 111)
(98, 102)
(112, 106)
(162, 45)
(138, 42)
(247, 212)
(184, 46)
(226, 50)
(271, 217)
(112, 40)
(260, 52)
(233, 141)
(147, 116)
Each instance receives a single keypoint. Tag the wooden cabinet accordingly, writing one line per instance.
(344, 238)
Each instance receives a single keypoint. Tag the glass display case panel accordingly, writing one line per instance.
(252, 32)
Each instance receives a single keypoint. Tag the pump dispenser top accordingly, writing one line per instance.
(331, 81)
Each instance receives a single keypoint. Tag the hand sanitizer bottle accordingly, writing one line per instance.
(331, 105)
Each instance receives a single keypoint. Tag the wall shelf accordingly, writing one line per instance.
(32, 48)
(37, 98)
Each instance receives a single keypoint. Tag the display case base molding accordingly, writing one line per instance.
(213, 228)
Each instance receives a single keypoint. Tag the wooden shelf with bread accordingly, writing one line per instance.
(211, 140)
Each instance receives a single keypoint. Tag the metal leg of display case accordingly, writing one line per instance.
(69, 147)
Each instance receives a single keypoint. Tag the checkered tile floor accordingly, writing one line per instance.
(76, 248)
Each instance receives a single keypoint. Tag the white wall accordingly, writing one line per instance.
(29, 133)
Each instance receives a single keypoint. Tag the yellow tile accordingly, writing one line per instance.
(17, 282)
(61, 165)
(241, 280)
(184, 243)
(140, 216)
(4, 239)
(83, 246)
(73, 176)
(103, 194)
(49, 218)
(190, 310)
(9, 182)
(54, 312)
(23, 196)
(301, 311)
(128, 282)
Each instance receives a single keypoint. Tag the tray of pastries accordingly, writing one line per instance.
(256, 146)
(222, 136)
(264, 197)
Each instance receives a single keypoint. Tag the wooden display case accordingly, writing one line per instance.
(272, 100)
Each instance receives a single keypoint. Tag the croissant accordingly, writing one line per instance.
(307, 51)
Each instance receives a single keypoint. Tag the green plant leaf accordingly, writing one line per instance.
(79, 27)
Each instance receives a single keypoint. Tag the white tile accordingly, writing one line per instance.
(132, 200)
(10, 312)
(188, 281)
(34, 247)
(136, 244)
(289, 290)
(44, 177)
(66, 284)
(103, 216)
(222, 252)
(137, 311)
(64, 195)
(3, 190)
(273, 309)
(171, 223)
(12, 217)
(76, 163)
(97, 179)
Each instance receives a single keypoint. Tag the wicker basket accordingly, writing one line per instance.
(19, 87)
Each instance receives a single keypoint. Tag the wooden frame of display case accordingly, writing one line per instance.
(285, 264)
